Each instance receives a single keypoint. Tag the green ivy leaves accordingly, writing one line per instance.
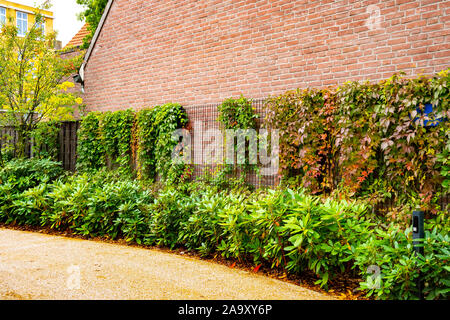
(46, 140)
(107, 139)
(91, 150)
(116, 128)
(155, 146)
(237, 114)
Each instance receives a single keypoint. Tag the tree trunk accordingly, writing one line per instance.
(23, 137)
(1, 156)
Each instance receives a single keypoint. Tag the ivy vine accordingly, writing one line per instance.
(111, 138)
(146, 141)
(116, 128)
(367, 139)
(90, 150)
(155, 147)
(238, 114)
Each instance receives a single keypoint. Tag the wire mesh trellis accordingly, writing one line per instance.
(205, 118)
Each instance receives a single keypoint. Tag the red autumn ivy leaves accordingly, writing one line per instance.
(305, 140)
(361, 137)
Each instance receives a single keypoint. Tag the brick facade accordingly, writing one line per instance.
(198, 52)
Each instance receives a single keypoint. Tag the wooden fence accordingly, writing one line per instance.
(67, 142)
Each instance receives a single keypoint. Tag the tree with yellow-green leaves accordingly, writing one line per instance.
(33, 82)
(92, 14)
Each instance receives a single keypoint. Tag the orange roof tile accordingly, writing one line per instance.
(77, 40)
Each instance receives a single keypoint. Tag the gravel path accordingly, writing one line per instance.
(40, 266)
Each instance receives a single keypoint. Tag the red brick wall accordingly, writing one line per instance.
(195, 52)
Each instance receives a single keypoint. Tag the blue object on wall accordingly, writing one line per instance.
(426, 112)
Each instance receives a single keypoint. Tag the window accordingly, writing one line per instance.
(22, 23)
(2, 16)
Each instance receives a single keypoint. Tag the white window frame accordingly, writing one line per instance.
(22, 19)
(2, 16)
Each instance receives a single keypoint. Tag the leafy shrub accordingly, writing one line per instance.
(216, 223)
(202, 231)
(299, 232)
(46, 140)
(434, 265)
(287, 229)
(23, 184)
(235, 239)
(114, 205)
(264, 225)
(69, 202)
(392, 252)
(7, 197)
(23, 174)
(170, 210)
(221, 177)
(323, 236)
(28, 206)
(69, 198)
(99, 205)
(283, 228)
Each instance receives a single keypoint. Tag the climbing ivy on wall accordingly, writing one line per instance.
(357, 137)
(146, 135)
(366, 139)
(360, 139)
(155, 147)
(111, 137)
(409, 148)
(90, 150)
(237, 114)
(116, 128)
(168, 118)
(305, 120)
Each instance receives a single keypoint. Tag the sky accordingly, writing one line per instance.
(65, 14)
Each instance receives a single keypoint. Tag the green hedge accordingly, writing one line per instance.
(284, 229)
